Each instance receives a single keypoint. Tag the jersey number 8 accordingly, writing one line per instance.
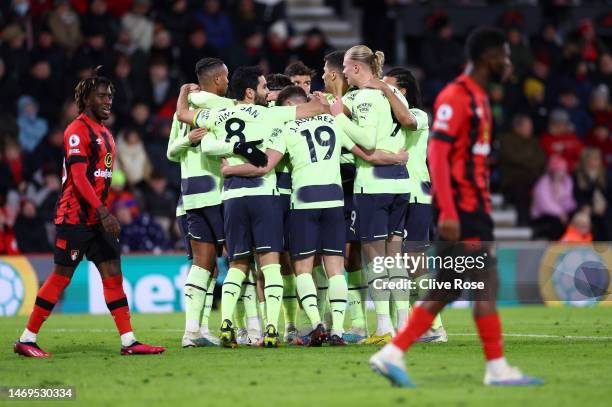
(330, 143)
(235, 131)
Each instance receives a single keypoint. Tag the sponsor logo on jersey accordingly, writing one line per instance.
(481, 149)
(74, 151)
(103, 173)
(74, 140)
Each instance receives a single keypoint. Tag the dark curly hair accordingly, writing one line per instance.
(84, 88)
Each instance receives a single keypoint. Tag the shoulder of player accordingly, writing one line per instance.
(452, 92)
(76, 132)
(421, 117)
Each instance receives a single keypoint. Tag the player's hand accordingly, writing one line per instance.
(190, 87)
(225, 167)
(402, 156)
(249, 150)
(337, 107)
(109, 222)
(196, 135)
(449, 230)
(375, 83)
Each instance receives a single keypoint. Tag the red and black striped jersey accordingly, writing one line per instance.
(91, 143)
(462, 117)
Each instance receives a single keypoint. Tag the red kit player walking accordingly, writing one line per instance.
(83, 224)
(458, 149)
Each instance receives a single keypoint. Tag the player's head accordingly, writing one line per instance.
(276, 82)
(291, 96)
(488, 48)
(405, 81)
(360, 64)
(212, 73)
(94, 95)
(300, 75)
(249, 85)
(332, 70)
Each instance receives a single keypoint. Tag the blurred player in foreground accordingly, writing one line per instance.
(457, 155)
(83, 224)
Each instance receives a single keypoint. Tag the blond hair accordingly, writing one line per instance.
(363, 54)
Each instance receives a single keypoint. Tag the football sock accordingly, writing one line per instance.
(400, 296)
(196, 286)
(419, 322)
(128, 339)
(230, 292)
(239, 313)
(338, 293)
(263, 314)
(322, 284)
(354, 299)
(117, 303)
(273, 291)
(47, 297)
(418, 294)
(308, 298)
(289, 299)
(489, 329)
(380, 297)
(250, 301)
(208, 305)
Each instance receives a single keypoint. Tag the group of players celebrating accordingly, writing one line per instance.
(297, 189)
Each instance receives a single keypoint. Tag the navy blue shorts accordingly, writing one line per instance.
(284, 202)
(350, 219)
(316, 231)
(381, 215)
(182, 224)
(206, 224)
(252, 222)
(416, 229)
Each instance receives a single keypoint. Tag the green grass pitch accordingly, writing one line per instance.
(571, 349)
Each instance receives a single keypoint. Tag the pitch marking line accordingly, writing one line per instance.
(513, 335)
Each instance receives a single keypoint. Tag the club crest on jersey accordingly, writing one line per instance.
(74, 140)
(108, 160)
(74, 254)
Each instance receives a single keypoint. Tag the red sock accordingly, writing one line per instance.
(489, 328)
(420, 321)
(117, 303)
(47, 297)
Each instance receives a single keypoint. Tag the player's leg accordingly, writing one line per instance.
(400, 296)
(304, 243)
(104, 252)
(333, 239)
(70, 245)
(249, 299)
(267, 231)
(206, 311)
(357, 294)
(372, 217)
(290, 303)
(261, 298)
(320, 278)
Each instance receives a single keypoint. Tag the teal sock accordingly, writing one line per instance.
(289, 299)
(338, 293)
(195, 295)
(273, 291)
(308, 298)
(230, 293)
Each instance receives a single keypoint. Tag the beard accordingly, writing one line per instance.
(261, 100)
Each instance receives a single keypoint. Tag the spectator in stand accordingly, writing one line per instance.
(32, 129)
(312, 53)
(604, 73)
(14, 160)
(269, 11)
(162, 48)
(124, 91)
(441, 56)
(561, 139)
(601, 139)
(8, 89)
(548, 44)
(579, 229)
(159, 201)
(160, 85)
(8, 242)
(132, 158)
(173, 20)
(50, 152)
(276, 47)
(65, 26)
(14, 53)
(99, 20)
(69, 112)
(592, 191)
(522, 162)
(197, 48)
(43, 191)
(95, 51)
(119, 193)
(581, 121)
(45, 87)
(553, 201)
(30, 230)
(139, 25)
(141, 118)
(601, 109)
(217, 25)
(244, 18)
(46, 49)
(138, 234)
(520, 53)
(590, 47)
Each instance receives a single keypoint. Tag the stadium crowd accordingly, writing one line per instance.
(553, 149)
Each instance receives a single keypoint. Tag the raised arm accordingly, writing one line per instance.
(400, 110)
(182, 104)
